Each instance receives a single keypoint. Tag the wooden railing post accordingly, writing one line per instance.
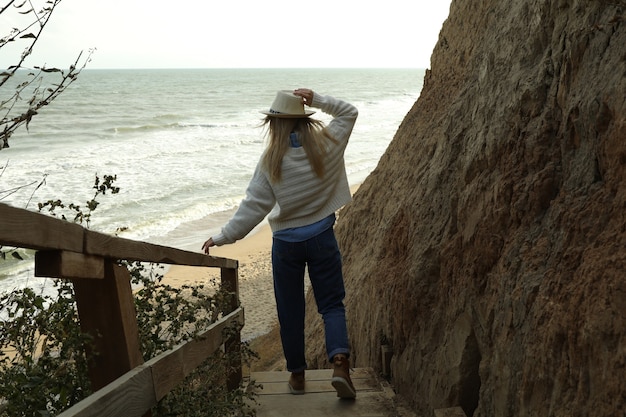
(107, 311)
(232, 346)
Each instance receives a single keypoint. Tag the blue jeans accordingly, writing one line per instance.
(322, 257)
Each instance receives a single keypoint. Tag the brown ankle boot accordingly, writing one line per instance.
(341, 377)
(296, 383)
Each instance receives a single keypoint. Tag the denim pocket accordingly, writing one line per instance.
(325, 244)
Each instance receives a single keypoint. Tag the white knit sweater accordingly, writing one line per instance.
(301, 197)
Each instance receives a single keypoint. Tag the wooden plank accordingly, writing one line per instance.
(129, 396)
(325, 404)
(27, 229)
(282, 387)
(317, 380)
(196, 352)
(64, 264)
(310, 374)
(172, 366)
(118, 248)
(168, 369)
(107, 311)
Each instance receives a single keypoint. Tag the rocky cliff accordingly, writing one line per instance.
(488, 248)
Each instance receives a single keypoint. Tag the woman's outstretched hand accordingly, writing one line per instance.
(306, 94)
(207, 245)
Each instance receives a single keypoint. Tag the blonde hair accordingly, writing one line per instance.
(312, 135)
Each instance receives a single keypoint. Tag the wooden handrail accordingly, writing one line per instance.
(106, 308)
(27, 229)
(140, 389)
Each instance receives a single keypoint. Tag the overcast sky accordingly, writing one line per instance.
(238, 33)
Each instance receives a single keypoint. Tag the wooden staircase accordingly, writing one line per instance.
(375, 398)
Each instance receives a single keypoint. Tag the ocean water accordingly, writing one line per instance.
(183, 144)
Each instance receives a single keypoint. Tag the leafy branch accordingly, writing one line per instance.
(39, 94)
(79, 216)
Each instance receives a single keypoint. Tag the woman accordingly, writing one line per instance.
(300, 182)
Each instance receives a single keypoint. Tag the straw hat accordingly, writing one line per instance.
(287, 105)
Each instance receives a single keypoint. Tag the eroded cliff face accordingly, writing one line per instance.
(489, 246)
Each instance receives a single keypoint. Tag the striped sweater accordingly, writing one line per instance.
(301, 197)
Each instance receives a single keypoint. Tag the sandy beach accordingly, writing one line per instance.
(255, 278)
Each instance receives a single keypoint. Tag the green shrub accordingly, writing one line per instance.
(43, 367)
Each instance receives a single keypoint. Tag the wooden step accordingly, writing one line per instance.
(374, 396)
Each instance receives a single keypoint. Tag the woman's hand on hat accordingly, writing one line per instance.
(306, 94)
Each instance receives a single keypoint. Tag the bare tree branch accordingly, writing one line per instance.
(16, 110)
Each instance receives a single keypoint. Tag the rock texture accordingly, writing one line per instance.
(488, 248)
